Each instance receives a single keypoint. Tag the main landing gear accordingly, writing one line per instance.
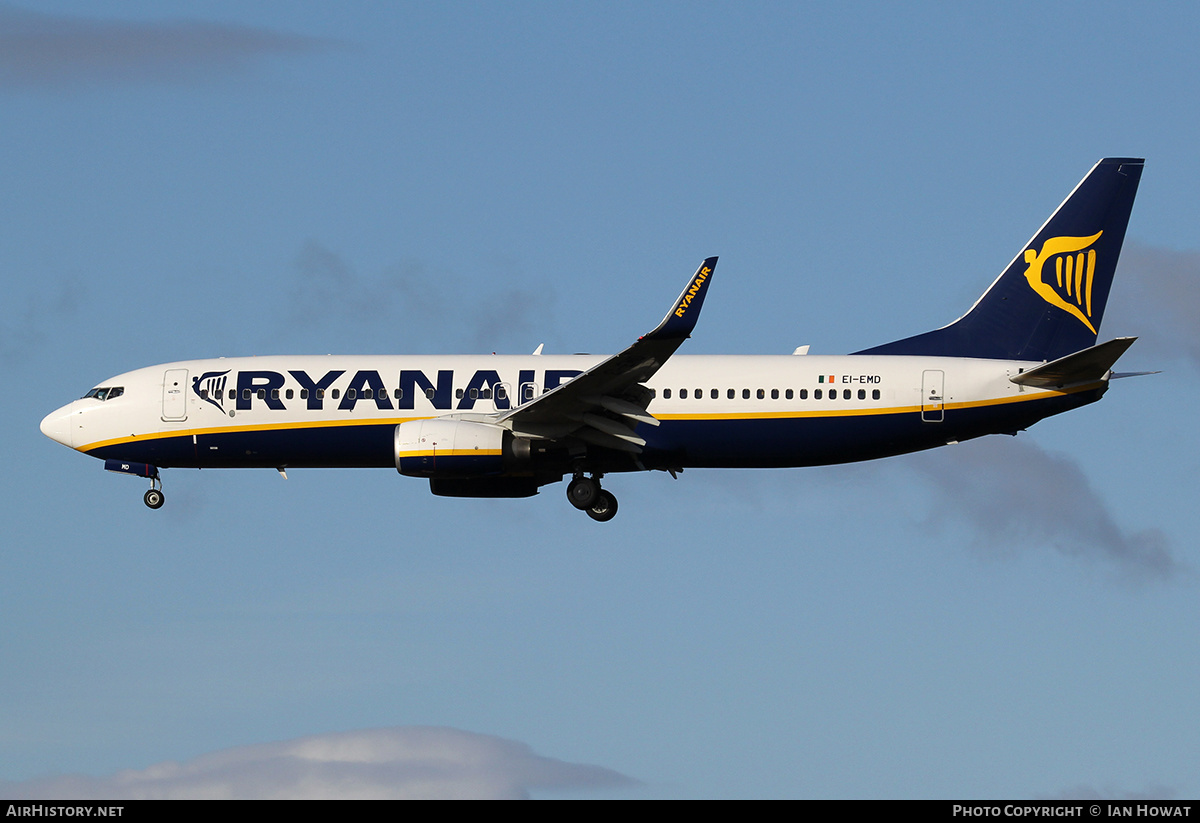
(586, 495)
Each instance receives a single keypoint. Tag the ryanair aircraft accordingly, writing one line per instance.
(504, 426)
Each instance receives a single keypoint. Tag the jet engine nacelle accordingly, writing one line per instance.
(447, 448)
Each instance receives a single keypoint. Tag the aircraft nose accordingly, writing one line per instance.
(57, 425)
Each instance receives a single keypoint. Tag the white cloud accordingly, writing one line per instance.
(1164, 286)
(1013, 494)
(393, 763)
(1084, 791)
(422, 303)
(44, 51)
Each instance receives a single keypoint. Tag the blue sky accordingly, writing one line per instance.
(1004, 618)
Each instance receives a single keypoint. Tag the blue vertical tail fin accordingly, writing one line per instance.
(1050, 300)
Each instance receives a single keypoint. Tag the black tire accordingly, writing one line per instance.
(154, 499)
(604, 509)
(582, 492)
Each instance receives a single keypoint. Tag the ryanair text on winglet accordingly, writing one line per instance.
(691, 292)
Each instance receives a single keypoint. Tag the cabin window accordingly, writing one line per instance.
(204, 394)
(745, 394)
(262, 394)
(862, 394)
(762, 394)
(399, 393)
(714, 394)
(458, 393)
(729, 394)
(368, 394)
(699, 395)
(429, 394)
(351, 394)
(486, 394)
(304, 394)
(245, 394)
(683, 394)
(666, 394)
(789, 394)
(774, 394)
(274, 394)
(845, 394)
(804, 394)
(474, 394)
(334, 393)
(874, 394)
(500, 393)
(290, 394)
(816, 394)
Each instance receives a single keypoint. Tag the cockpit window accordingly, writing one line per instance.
(106, 392)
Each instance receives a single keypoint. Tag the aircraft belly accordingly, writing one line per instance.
(788, 442)
(317, 447)
(781, 442)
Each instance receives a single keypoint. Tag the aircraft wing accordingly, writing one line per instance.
(602, 405)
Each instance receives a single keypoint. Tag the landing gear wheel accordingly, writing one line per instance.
(154, 499)
(582, 492)
(605, 507)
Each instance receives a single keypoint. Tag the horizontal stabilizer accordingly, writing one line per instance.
(1087, 366)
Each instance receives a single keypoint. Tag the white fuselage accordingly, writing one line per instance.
(723, 410)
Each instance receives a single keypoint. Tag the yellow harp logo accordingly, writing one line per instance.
(1074, 268)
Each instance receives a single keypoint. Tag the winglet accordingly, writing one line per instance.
(681, 319)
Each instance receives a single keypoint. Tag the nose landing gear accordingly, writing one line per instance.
(154, 498)
(586, 495)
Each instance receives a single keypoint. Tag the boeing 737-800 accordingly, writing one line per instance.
(504, 426)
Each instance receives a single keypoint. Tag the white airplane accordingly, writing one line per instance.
(503, 426)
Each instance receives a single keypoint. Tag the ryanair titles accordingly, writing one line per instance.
(246, 390)
(688, 295)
